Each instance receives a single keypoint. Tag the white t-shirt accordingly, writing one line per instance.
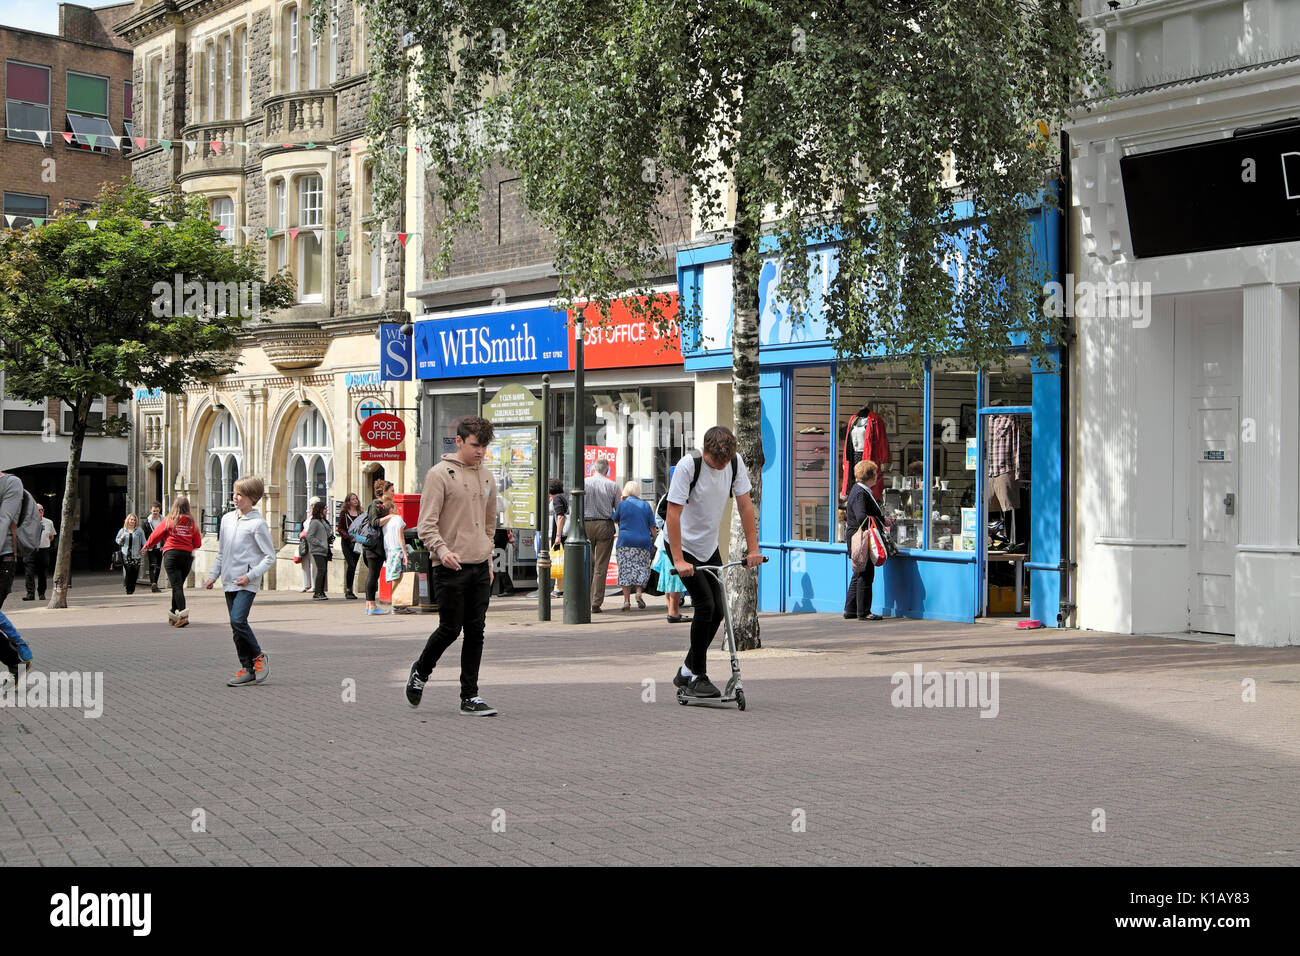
(393, 533)
(702, 514)
(47, 532)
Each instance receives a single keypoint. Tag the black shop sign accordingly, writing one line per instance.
(1243, 191)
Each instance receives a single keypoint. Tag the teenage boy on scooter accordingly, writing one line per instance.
(696, 498)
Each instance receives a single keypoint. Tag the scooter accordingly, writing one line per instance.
(734, 692)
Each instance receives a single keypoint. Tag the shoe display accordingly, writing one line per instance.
(701, 686)
(812, 430)
(476, 707)
(261, 668)
(245, 676)
(414, 687)
(815, 464)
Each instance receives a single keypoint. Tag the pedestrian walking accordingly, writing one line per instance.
(558, 507)
(304, 550)
(636, 532)
(598, 517)
(861, 506)
(244, 554)
(697, 496)
(320, 544)
(395, 560)
(373, 552)
(458, 511)
(153, 555)
(347, 514)
(14, 651)
(178, 537)
(130, 542)
(39, 566)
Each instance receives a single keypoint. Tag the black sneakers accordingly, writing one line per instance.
(414, 687)
(701, 686)
(476, 707)
(680, 679)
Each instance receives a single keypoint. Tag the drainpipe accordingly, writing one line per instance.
(1068, 565)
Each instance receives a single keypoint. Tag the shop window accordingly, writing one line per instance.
(1008, 455)
(953, 400)
(880, 414)
(813, 473)
(27, 101)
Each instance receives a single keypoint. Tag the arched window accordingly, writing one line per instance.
(311, 464)
(225, 456)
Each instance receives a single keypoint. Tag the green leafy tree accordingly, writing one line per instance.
(87, 312)
(800, 121)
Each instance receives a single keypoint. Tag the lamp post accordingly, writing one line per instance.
(577, 547)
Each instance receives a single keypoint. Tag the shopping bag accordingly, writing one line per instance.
(557, 566)
(860, 548)
(404, 590)
(876, 540)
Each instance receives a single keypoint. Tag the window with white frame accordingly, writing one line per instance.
(313, 53)
(311, 217)
(291, 64)
(223, 214)
(241, 40)
(227, 78)
(17, 415)
(311, 464)
(212, 81)
(334, 40)
(278, 217)
(224, 458)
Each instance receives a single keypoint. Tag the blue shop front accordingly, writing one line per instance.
(971, 460)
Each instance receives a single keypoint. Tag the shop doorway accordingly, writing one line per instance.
(1004, 517)
(1213, 324)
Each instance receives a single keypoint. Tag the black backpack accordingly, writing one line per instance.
(698, 457)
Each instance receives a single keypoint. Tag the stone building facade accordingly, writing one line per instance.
(264, 115)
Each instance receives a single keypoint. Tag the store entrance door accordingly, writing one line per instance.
(1214, 324)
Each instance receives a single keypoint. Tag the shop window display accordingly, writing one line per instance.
(814, 455)
(953, 400)
(880, 412)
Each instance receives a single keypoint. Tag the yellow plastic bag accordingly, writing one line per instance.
(557, 566)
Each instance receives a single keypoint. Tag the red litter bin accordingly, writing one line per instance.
(408, 507)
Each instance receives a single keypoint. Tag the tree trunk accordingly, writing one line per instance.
(63, 564)
(742, 584)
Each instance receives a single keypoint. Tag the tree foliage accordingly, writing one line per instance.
(829, 122)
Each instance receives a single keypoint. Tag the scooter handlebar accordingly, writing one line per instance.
(716, 567)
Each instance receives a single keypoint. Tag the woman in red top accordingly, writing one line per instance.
(180, 536)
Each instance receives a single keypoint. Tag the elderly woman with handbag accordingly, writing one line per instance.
(860, 507)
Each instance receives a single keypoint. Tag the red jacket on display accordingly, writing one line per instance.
(875, 447)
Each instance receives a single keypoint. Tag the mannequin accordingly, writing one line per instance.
(1004, 471)
(865, 440)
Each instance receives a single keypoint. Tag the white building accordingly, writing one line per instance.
(1187, 414)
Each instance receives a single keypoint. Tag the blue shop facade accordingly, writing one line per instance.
(971, 544)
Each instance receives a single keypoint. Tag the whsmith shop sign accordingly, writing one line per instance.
(534, 341)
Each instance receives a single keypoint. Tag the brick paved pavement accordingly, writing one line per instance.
(1150, 730)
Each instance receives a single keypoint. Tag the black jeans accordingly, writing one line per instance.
(373, 563)
(707, 597)
(350, 572)
(178, 563)
(130, 572)
(154, 556)
(462, 598)
(858, 601)
(37, 567)
(320, 564)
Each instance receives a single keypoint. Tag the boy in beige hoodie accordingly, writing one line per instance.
(458, 516)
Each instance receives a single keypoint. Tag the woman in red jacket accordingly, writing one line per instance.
(179, 536)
